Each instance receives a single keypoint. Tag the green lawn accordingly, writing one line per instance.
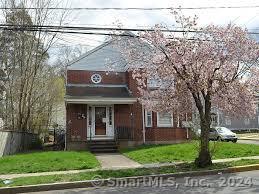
(188, 152)
(47, 161)
(120, 173)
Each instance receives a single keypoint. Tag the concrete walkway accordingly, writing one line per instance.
(115, 161)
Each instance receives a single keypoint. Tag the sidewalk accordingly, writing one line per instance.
(120, 164)
(249, 136)
(115, 161)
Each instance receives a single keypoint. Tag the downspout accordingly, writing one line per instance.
(187, 128)
(143, 125)
(217, 117)
(65, 148)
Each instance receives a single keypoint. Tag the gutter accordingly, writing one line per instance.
(101, 100)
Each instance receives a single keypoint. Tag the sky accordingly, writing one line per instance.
(247, 18)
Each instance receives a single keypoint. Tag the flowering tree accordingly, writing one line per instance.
(206, 67)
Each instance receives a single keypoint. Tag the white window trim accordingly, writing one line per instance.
(163, 125)
(247, 121)
(228, 120)
(146, 124)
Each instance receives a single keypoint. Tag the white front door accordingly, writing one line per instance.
(100, 122)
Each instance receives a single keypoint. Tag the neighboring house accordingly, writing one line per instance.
(248, 123)
(102, 105)
(218, 118)
(1, 123)
(58, 116)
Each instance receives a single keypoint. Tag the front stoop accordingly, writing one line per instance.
(103, 146)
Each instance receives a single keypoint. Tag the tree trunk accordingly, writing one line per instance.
(204, 157)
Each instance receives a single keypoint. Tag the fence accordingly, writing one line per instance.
(12, 142)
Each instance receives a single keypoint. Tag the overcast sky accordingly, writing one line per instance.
(248, 18)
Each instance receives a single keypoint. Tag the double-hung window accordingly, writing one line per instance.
(164, 120)
(148, 118)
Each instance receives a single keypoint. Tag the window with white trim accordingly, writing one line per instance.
(214, 119)
(247, 121)
(152, 83)
(164, 120)
(227, 120)
(148, 118)
(157, 83)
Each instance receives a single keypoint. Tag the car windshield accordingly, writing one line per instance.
(223, 130)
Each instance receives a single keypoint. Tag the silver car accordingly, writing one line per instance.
(222, 134)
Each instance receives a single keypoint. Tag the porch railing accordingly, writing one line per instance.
(123, 133)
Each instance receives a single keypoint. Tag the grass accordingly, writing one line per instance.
(188, 152)
(120, 173)
(47, 161)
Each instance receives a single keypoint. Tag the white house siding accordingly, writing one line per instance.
(59, 114)
(3, 140)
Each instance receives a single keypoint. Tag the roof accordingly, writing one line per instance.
(100, 58)
(105, 57)
(97, 91)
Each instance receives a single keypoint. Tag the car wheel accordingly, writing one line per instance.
(234, 141)
(219, 138)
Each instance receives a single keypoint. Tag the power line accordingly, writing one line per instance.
(81, 30)
(134, 8)
(90, 28)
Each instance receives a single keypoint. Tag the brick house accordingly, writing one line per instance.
(102, 105)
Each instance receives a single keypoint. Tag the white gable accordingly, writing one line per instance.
(100, 59)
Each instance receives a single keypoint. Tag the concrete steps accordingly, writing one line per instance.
(103, 146)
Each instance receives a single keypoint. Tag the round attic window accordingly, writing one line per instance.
(96, 78)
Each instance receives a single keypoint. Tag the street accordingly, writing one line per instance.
(245, 182)
(248, 141)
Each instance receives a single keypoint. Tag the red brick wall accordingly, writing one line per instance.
(132, 84)
(84, 77)
(76, 125)
(165, 134)
(136, 108)
(156, 133)
(122, 116)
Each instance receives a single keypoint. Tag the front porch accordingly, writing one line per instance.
(100, 113)
(91, 123)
